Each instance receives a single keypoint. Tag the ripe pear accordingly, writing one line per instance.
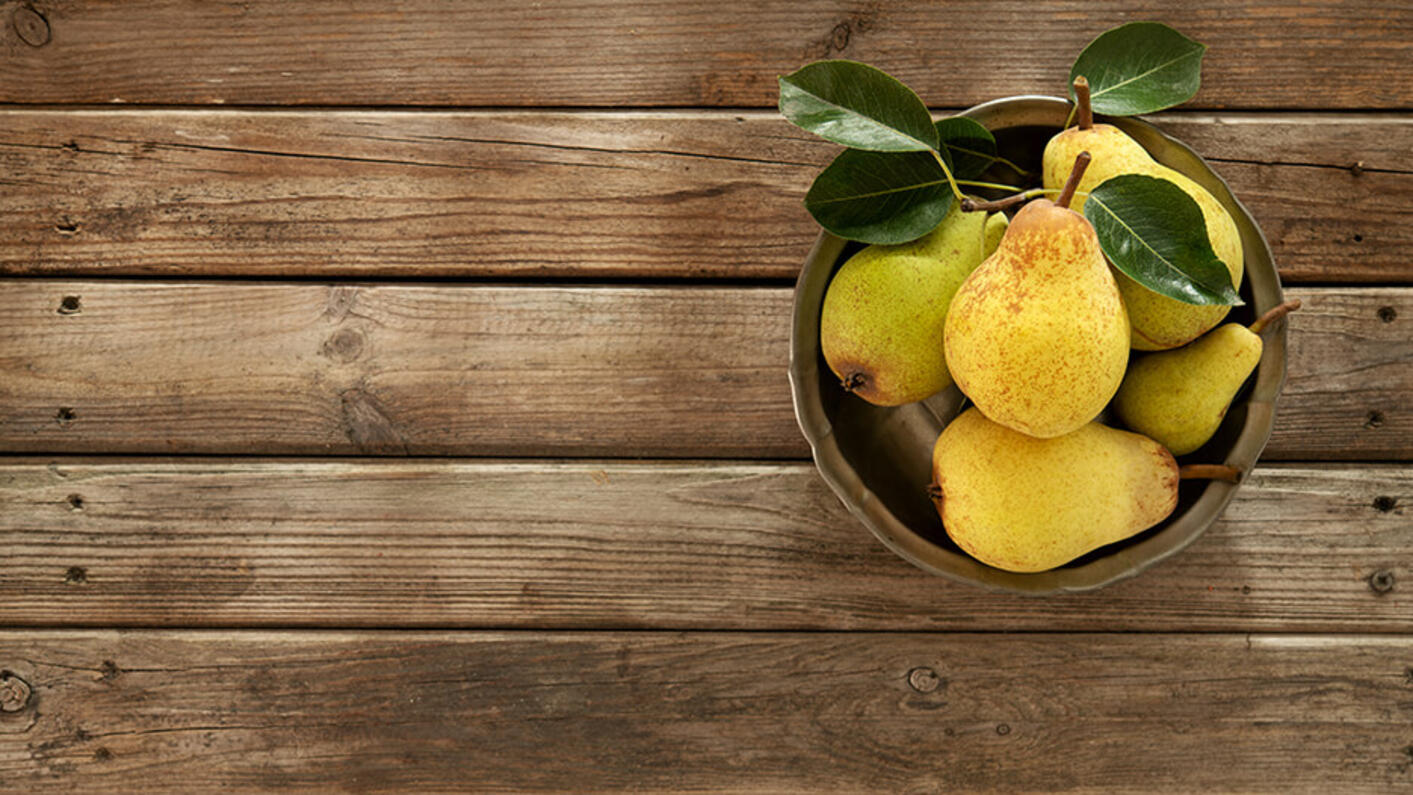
(1037, 336)
(1158, 322)
(1024, 504)
(1180, 397)
(881, 324)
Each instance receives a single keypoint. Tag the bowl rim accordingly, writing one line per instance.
(1124, 562)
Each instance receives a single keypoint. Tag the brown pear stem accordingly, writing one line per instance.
(934, 492)
(1072, 184)
(970, 205)
(1081, 102)
(1225, 472)
(1274, 314)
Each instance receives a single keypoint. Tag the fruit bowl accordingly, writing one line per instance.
(878, 459)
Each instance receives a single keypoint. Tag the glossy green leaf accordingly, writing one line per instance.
(1140, 67)
(880, 197)
(858, 106)
(971, 146)
(1150, 229)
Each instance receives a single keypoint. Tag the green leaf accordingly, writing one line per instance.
(880, 197)
(858, 106)
(972, 147)
(1150, 229)
(1140, 67)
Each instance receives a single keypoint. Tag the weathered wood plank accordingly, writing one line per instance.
(247, 711)
(602, 195)
(615, 53)
(526, 371)
(632, 545)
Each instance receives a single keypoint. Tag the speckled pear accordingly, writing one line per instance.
(1158, 322)
(1024, 504)
(1179, 397)
(880, 327)
(1037, 336)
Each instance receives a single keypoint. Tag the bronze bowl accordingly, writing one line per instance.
(878, 460)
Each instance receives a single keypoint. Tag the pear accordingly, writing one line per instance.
(1024, 504)
(1179, 397)
(880, 327)
(1158, 322)
(1037, 336)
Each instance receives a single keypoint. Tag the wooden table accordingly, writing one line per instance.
(393, 397)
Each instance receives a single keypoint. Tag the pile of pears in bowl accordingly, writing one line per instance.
(1001, 405)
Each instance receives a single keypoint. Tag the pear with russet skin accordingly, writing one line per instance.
(880, 327)
(1024, 504)
(1179, 397)
(1158, 322)
(1037, 336)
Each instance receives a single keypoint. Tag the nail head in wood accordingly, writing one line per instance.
(1381, 581)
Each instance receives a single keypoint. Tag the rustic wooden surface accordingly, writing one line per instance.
(674, 371)
(617, 53)
(683, 545)
(664, 194)
(418, 420)
(753, 712)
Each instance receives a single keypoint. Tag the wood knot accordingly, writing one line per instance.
(1388, 314)
(14, 692)
(30, 26)
(924, 679)
(1385, 504)
(76, 575)
(1003, 729)
(344, 346)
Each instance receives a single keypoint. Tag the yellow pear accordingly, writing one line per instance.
(880, 327)
(1179, 397)
(1158, 322)
(1037, 336)
(1024, 504)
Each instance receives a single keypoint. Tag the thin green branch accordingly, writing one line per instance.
(956, 191)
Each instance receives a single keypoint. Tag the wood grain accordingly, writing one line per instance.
(587, 195)
(617, 53)
(282, 711)
(210, 368)
(616, 545)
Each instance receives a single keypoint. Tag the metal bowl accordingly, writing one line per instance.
(878, 460)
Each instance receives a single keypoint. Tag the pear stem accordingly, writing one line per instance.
(1081, 94)
(972, 205)
(1275, 313)
(1072, 184)
(1224, 472)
